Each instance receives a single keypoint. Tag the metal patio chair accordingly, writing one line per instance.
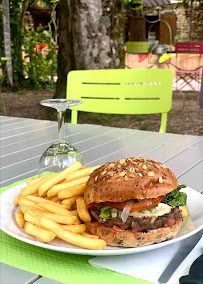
(141, 48)
(186, 77)
(121, 91)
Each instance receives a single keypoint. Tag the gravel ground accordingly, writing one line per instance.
(185, 117)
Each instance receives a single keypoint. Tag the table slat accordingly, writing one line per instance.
(43, 130)
(138, 145)
(193, 177)
(17, 126)
(50, 138)
(8, 118)
(25, 129)
(173, 148)
(11, 122)
(13, 275)
(44, 280)
(187, 159)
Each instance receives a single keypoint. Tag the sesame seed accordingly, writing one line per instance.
(103, 173)
(132, 170)
(144, 167)
(132, 176)
(111, 165)
(157, 166)
(160, 180)
(122, 174)
(125, 178)
(151, 174)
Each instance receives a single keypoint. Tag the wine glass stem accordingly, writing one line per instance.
(61, 124)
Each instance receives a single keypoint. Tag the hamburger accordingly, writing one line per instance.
(134, 202)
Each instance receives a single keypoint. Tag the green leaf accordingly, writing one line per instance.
(105, 212)
(175, 197)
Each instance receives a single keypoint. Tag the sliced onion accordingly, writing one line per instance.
(126, 211)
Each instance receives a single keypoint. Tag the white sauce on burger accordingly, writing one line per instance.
(159, 210)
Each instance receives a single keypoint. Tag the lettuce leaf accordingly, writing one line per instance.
(105, 212)
(175, 197)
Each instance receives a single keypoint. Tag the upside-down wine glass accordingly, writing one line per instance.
(60, 154)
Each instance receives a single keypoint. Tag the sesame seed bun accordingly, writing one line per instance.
(131, 178)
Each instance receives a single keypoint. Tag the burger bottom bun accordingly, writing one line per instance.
(125, 238)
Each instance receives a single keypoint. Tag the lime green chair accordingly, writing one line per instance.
(121, 91)
(137, 47)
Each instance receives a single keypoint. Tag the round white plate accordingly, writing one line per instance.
(9, 226)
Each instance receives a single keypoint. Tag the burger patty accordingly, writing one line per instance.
(142, 224)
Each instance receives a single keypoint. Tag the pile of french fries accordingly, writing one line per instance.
(53, 206)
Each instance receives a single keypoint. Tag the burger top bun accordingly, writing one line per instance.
(131, 178)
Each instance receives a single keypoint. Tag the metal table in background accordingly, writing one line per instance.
(24, 140)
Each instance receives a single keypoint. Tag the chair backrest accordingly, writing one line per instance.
(189, 47)
(137, 47)
(122, 91)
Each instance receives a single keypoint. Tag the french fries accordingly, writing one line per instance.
(23, 202)
(53, 206)
(39, 233)
(34, 180)
(79, 229)
(72, 238)
(82, 210)
(86, 235)
(37, 200)
(32, 218)
(58, 178)
(19, 217)
(30, 189)
(80, 173)
(16, 200)
(61, 219)
(54, 190)
(72, 191)
(55, 199)
(71, 202)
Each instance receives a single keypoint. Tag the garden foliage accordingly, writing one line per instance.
(34, 67)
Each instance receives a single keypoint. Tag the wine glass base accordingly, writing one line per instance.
(59, 156)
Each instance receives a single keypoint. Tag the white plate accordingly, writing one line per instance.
(8, 225)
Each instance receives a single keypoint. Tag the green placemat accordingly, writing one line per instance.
(67, 268)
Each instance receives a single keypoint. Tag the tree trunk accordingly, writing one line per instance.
(91, 36)
(65, 54)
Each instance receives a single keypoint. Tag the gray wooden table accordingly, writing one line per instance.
(24, 140)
